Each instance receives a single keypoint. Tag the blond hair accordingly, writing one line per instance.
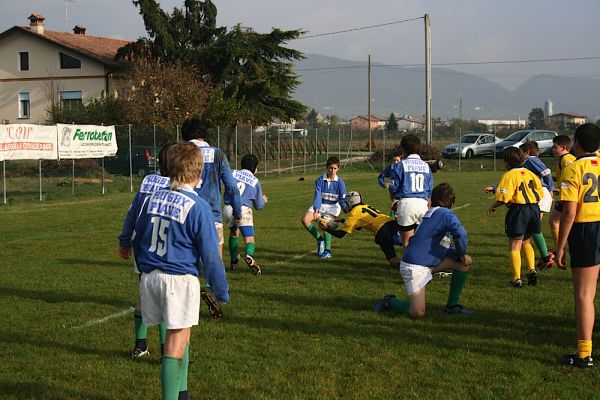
(185, 164)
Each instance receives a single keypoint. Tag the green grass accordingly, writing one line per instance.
(302, 330)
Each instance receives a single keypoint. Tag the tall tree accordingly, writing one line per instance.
(536, 118)
(391, 125)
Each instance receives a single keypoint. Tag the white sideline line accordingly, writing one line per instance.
(103, 320)
(463, 206)
(296, 257)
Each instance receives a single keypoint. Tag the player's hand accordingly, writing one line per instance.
(386, 185)
(491, 210)
(489, 189)
(467, 260)
(265, 198)
(237, 220)
(315, 215)
(560, 258)
(125, 252)
(322, 225)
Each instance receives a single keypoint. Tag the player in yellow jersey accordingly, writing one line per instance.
(580, 227)
(521, 190)
(561, 146)
(362, 216)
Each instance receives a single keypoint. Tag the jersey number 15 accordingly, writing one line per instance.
(158, 244)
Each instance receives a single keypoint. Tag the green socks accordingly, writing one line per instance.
(540, 243)
(170, 374)
(183, 384)
(457, 283)
(313, 231)
(141, 330)
(402, 306)
(233, 247)
(250, 248)
(327, 241)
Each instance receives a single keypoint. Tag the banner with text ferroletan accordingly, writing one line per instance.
(86, 141)
(28, 142)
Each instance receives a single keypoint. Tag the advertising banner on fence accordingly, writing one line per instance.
(86, 141)
(27, 142)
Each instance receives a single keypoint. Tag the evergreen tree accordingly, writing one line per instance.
(536, 118)
(391, 125)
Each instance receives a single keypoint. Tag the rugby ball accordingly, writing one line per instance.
(328, 220)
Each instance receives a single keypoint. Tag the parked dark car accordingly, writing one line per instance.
(515, 139)
(143, 161)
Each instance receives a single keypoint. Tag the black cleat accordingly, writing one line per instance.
(515, 284)
(139, 353)
(532, 278)
(254, 267)
(457, 309)
(384, 304)
(574, 360)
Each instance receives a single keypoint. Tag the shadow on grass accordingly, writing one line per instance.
(60, 297)
(92, 263)
(37, 390)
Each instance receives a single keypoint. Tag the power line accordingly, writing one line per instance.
(359, 29)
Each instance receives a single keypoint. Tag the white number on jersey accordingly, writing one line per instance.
(241, 187)
(159, 235)
(417, 182)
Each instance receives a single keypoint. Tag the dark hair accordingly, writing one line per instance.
(530, 147)
(411, 144)
(513, 156)
(333, 160)
(163, 159)
(193, 128)
(250, 162)
(588, 136)
(443, 196)
(396, 153)
(563, 141)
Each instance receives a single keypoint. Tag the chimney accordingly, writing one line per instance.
(36, 23)
(79, 30)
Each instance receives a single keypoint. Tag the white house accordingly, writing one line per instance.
(38, 66)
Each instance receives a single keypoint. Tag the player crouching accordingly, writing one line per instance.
(360, 215)
(430, 251)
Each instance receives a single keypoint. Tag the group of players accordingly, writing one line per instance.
(175, 224)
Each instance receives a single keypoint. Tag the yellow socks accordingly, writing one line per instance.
(555, 235)
(584, 348)
(529, 255)
(515, 264)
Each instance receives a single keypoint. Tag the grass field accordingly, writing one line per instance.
(302, 330)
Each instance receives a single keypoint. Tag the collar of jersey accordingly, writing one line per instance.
(200, 143)
(414, 156)
(325, 178)
(587, 155)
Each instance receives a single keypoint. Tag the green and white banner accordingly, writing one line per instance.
(27, 142)
(86, 141)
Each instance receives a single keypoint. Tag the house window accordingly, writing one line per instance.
(68, 62)
(23, 61)
(24, 105)
(71, 99)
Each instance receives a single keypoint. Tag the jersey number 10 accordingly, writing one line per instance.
(417, 182)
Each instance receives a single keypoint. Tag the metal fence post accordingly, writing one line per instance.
(292, 151)
(265, 152)
(236, 147)
(316, 148)
(130, 163)
(278, 153)
(4, 179)
(327, 148)
(339, 142)
(350, 146)
(383, 150)
(40, 171)
(73, 178)
(154, 147)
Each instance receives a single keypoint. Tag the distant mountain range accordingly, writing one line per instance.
(343, 91)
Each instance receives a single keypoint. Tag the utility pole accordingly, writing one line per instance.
(428, 133)
(369, 103)
(67, 14)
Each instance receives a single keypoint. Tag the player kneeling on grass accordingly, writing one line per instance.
(360, 215)
(520, 190)
(174, 233)
(430, 251)
(252, 196)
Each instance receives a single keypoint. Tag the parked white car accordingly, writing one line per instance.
(471, 145)
(515, 139)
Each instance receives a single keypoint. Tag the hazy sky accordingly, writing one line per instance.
(462, 30)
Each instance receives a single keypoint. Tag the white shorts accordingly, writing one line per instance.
(219, 227)
(247, 216)
(410, 211)
(333, 209)
(174, 299)
(546, 201)
(415, 277)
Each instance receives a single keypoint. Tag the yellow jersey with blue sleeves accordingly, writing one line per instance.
(365, 216)
(519, 186)
(563, 161)
(581, 184)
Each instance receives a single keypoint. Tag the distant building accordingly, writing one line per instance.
(408, 123)
(38, 66)
(566, 119)
(503, 123)
(548, 108)
(361, 122)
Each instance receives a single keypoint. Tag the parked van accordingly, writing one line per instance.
(143, 161)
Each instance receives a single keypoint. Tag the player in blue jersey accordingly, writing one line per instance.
(150, 184)
(174, 233)
(330, 191)
(390, 185)
(531, 151)
(415, 183)
(215, 171)
(430, 251)
(252, 197)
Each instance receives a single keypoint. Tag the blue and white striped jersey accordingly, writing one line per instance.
(414, 178)
(329, 192)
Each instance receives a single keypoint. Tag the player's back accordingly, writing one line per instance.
(537, 166)
(519, 186)
(563, 161)
(413, 178)
(364, 216)
(581, 184)
(249, 188)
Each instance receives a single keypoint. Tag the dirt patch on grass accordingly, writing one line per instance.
(91, 180)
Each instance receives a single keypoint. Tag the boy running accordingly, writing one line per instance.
(390, 185)
(580, 226)
(531, 151)
(360, 215)
(561, 147)
(414, 184)
(330, 191)
(520, 190)
(252, 197)
(429, 252)
(173, 234)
